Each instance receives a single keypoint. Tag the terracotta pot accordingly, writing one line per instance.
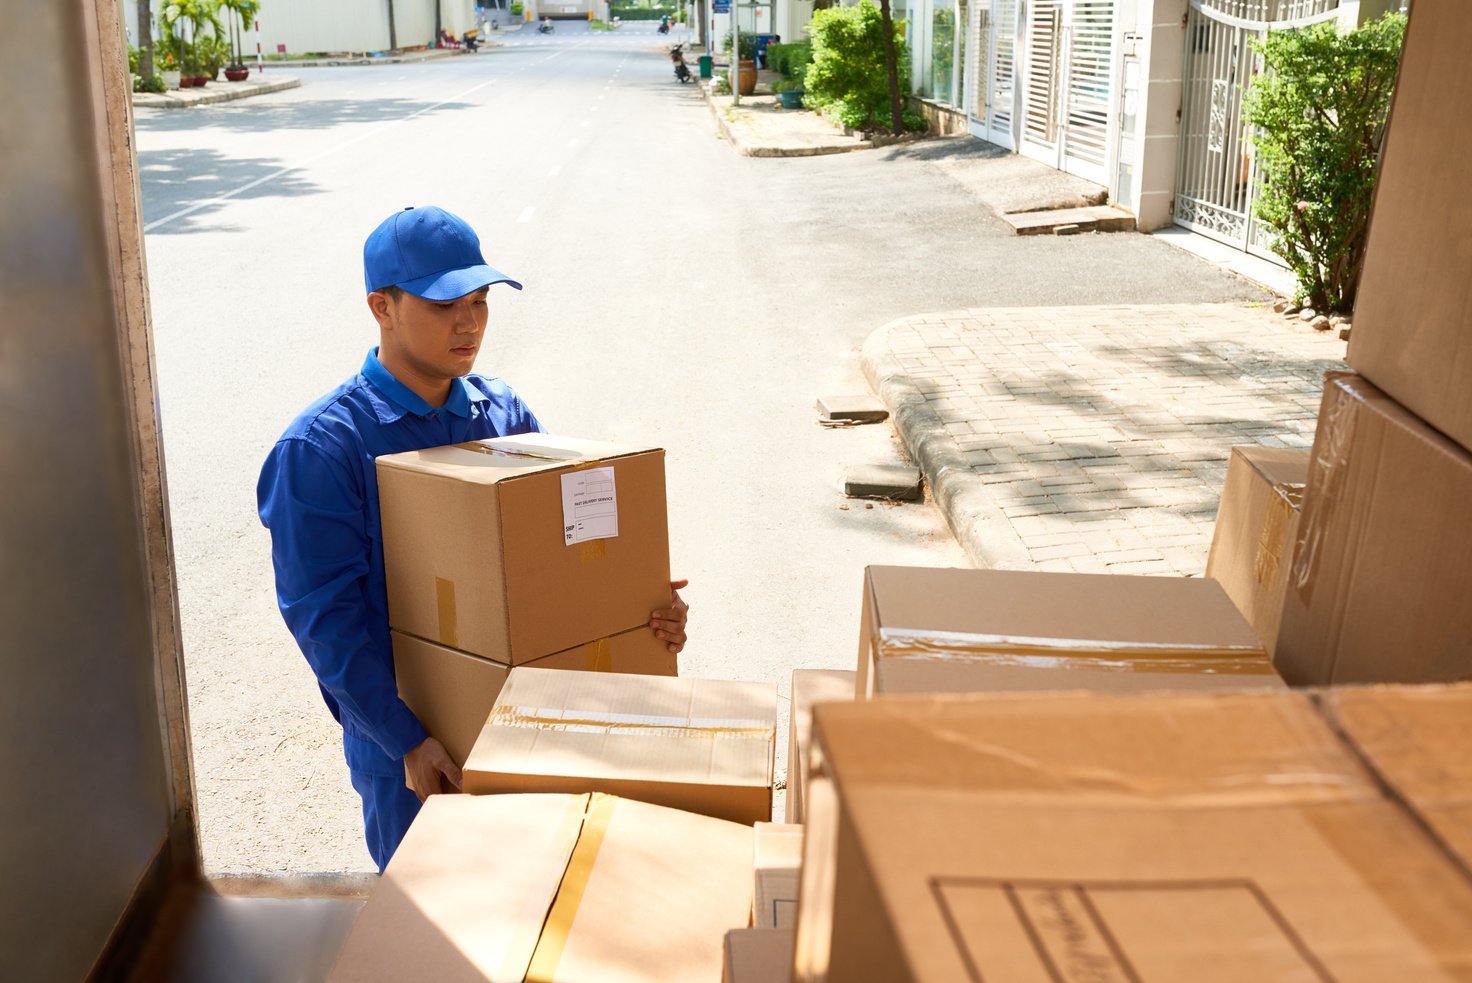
(186, 81)
(237, 73)
(746, 78)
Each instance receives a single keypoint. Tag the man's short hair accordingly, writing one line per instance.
(395, 293)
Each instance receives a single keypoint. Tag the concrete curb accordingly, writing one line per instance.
(409, 59)
(769, 150)
(209, 96)
(986, 535)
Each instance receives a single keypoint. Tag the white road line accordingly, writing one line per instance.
(526, 214)
(556, 170)
(217, 199)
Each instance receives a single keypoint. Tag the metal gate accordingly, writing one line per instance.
(1216, 177)
(995, 96)
(1070, 85)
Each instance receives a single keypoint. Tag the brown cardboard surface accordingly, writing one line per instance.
(554, 889)
(1380, 579)
(703, 745)
(1412, 316)
(452, 692)
(809, 686)
(1419, 739)
(657, 897)
(758, 955)
(465, 895)
(475, 555)
(1210, 838)
(776, 858)
(1256, 527)
(928, 630)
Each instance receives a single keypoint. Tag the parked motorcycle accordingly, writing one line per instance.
(682, 71)
(545, 27)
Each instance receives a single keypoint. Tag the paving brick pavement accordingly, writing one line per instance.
(1094, 439)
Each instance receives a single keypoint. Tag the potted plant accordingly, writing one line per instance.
(183, 23)
(241, 14)
(746, 62)
(789, 91)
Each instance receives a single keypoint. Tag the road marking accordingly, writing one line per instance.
(526, 214)
(251, 185)
(556, 169)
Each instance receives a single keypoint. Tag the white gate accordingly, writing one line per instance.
(994, 99)
(1069, 89)
(1216, 176)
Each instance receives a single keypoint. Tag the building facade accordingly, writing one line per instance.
(339, 25)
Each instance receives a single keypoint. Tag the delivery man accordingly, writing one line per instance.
(318, 495)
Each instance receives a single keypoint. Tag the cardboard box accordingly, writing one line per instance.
(1413, 315)
(776, 860)
(1380, 580)
(704, 745)
(1256, 527)
(452, 692)
(520, 547)
(809, 686)
(1202, 837)
(566, 888)
(758, 955)
(960, 631)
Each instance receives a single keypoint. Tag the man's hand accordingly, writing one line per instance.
(669, 625)
(428, 767)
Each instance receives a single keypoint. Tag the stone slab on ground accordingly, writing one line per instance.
(887, 481)
(1094, 439)
(215, 92)
(1095, 218)
(858, 409)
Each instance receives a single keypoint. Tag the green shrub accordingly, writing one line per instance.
(516, 8)
(154, 83)
(1319, 111)
(847, 75)
(789, 59)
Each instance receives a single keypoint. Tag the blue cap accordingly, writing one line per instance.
(429, 253)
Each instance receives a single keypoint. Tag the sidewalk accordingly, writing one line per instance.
(760, 128)
(215, 92)
(1094, 439)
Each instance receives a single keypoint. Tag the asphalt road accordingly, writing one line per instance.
(675, 293)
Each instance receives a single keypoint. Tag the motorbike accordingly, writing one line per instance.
(545, 27)
(664, 27)
(677, 57)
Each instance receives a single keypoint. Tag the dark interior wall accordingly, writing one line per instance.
(86, 802)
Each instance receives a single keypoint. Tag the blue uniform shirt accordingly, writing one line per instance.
(318, 494)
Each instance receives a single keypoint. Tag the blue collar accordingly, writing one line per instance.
(392, 399)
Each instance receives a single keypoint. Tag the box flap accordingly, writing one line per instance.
(465, 896)
(759, 955)
(1284, 468)
(776, 861)
(501, 458)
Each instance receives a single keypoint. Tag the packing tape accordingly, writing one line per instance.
(1049, 653)
(598, 656)
(529, 937)
(595, 722)
(1287, 499)
(593, 550)
(489, 451)
(550, 946)
(444, 598)
(1327, 467)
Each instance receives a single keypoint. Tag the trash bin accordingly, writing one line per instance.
(705, 66)
(762, 40)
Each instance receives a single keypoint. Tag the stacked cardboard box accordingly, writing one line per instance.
(809, 687)
(976, 631)
(703, 745)
(551, 888)
(1204, 837)
(521, 550)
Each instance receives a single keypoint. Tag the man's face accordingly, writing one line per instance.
(436, 340)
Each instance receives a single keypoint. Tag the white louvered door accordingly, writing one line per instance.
(1069, 85)
(999, 56)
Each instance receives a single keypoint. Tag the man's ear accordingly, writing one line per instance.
(379, 303)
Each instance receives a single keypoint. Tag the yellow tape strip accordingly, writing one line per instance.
(523, 948)
(553, 942)
(593, 550)
(598, 656)
(510, 716)
(444, 595)
(999, 650)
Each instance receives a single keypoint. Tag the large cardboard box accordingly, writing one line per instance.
(809, 686)
(928, 630)
(1205, 837)
(1256, 527)
(1380, 580)
(553, 888)
(519, 547)
(705, 745)
(452, 692)
(758, 955)
(1413, 316)
(777, 855)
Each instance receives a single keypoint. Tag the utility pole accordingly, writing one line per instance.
(735, 69)
(393, 31)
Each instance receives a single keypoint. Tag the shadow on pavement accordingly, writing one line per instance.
(960, 147)
(261, 117)
(175, 179)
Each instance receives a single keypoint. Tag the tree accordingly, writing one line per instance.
(1319, 110)
(245, 11)
(145, 38)
(892, 69)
